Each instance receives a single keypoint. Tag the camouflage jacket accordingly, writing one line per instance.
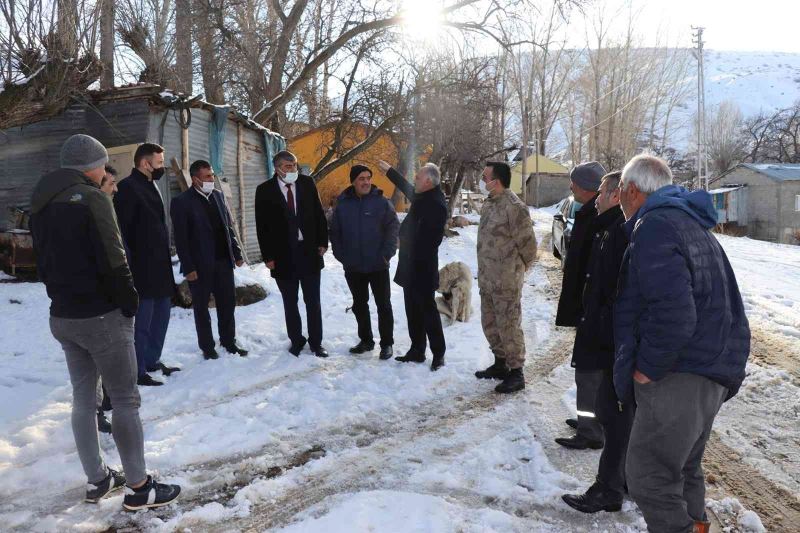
(506, 243)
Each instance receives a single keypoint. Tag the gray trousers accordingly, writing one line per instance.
(97, 347)
(670, 429)
(587, 383)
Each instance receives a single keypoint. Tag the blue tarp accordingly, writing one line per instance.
(273, 143)
(216, 138)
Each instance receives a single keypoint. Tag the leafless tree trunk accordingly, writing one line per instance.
(183, 45)
(107, 43)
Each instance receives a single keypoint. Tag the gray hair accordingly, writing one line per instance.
(283, 155)
(648, 172)
(433, 173)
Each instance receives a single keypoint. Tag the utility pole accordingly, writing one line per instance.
(702, 159)
(525, 153)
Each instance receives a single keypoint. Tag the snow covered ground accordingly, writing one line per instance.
(352, 443)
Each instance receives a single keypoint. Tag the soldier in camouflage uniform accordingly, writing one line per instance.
(506, 249)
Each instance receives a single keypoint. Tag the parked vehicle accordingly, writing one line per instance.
(562, 227)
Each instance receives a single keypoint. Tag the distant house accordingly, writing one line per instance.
(547, 186)
(311, 146)
(772, 197)
(189, 129)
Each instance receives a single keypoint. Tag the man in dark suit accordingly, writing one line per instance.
(140, 212)
(421, 234)
(208, 249)
(293, 237)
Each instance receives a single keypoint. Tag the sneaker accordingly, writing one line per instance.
(113, 481)
(103, 425)
(150, 495)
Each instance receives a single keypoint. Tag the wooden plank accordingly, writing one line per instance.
(182, 174)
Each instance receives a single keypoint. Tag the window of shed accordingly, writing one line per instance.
(797, 203)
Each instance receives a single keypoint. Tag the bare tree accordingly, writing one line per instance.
(727, 144)
(107, 43)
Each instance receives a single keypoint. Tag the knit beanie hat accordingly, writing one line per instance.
(356, 170)
(588, 176)
(82, 152)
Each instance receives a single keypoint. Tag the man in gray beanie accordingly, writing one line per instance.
(81, 260)
(585, 180)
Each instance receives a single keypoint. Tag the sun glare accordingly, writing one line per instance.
(422, 20)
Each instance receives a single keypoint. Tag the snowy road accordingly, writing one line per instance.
(353, 443)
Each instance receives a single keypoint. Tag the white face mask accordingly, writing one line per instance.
(208, 187)
(290, 177)
(484, 189)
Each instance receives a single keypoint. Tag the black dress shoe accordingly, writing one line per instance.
(320, 352)
(572, 422)
(412, 356)
(235, 349)
(103, 425)
(210, 354)
(595, 499)
(362, 347)
(579, 442)
(386, 353)
(437, 363)
(166, 370)
(147, 381)
(296, 348)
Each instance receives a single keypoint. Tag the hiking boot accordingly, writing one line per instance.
(513, 382)
(386, 353)
(210, 354)
(113, 481)
(498, 370)
(572, 422)
(150, 495)
(579, 442)
(235, 349)
(362, 347)
(437, 363)
(597, 498)
(412, 356)
(148, 381)
(103, 425)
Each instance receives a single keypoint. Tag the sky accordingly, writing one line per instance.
(764, 25)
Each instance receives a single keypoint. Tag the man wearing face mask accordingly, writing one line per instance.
(140, 211)
(506, 250)
(208, 250)
(293, 237)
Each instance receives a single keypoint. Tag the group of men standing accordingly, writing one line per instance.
(661, 334)
(661, 339)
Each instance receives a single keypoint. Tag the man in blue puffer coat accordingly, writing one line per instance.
(682, 341)
(363, 235)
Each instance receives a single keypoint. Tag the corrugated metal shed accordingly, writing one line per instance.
(731, 204)
(125, 117)
(776, 171)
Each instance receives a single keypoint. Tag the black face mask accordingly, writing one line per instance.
(157, 173)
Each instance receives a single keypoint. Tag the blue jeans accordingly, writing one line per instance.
(152, 320)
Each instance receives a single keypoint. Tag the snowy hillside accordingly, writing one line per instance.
(755, 81)
(354, 444)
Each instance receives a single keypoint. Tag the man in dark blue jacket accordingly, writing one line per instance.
(208, 250)
(363, 234)
(682, 341)
(140, 211)
(421, 233)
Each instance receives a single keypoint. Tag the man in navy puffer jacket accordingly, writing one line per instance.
(363, 235)
(682, 341)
